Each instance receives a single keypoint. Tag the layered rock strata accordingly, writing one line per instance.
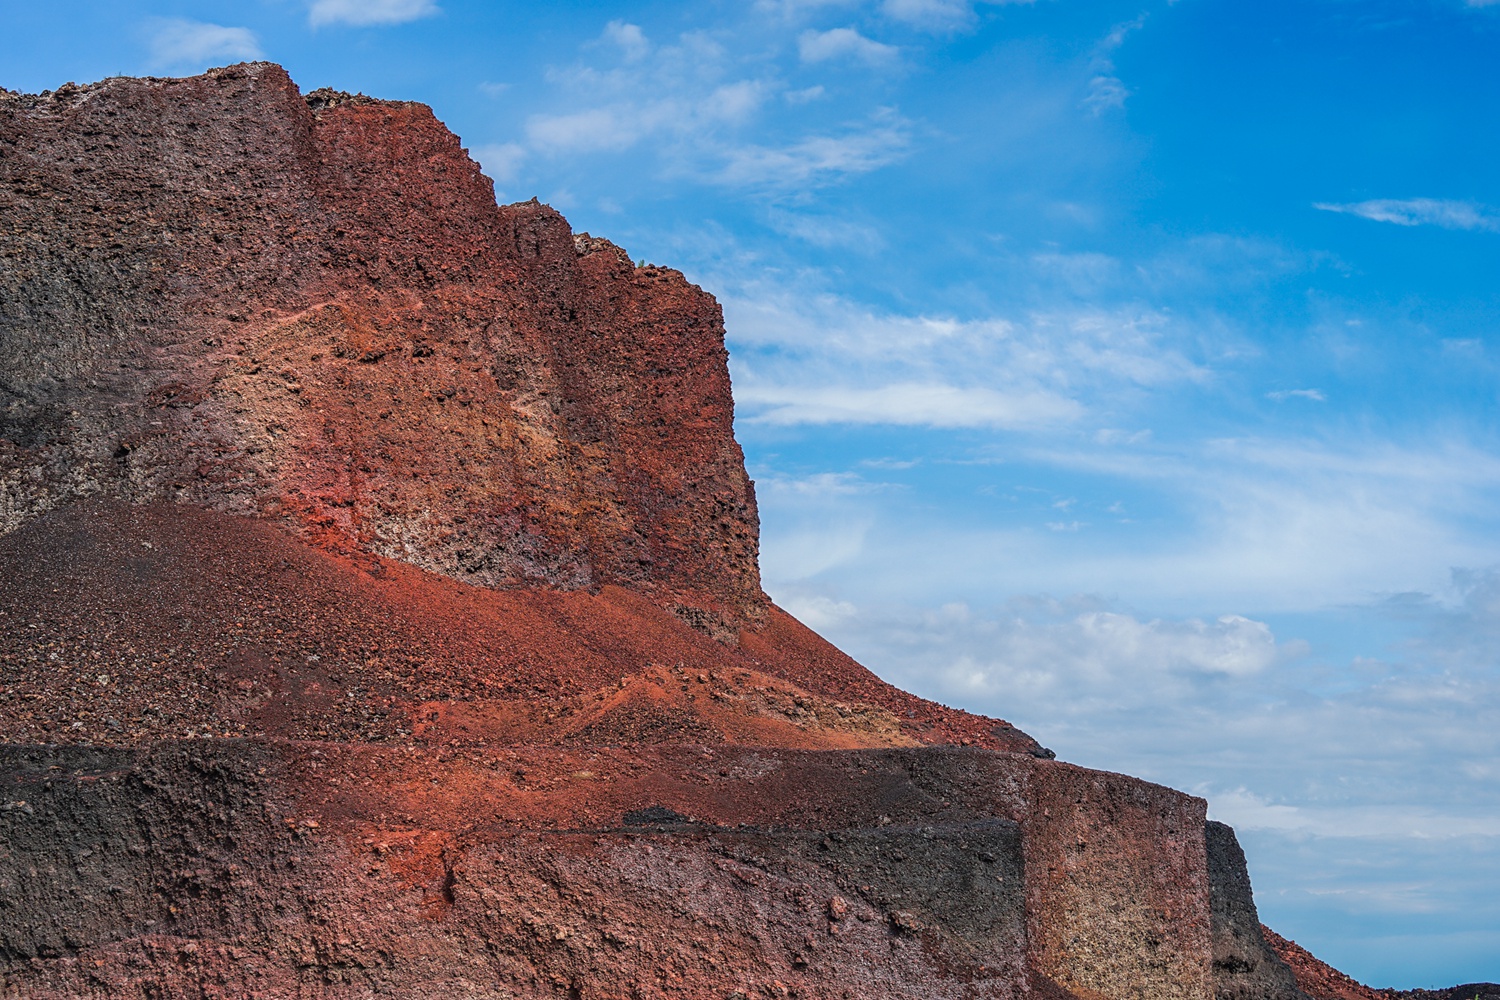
(381, 616)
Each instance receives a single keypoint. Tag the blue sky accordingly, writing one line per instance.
(1125, 369)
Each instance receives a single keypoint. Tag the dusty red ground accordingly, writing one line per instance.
(121, 625)
(1318, 979)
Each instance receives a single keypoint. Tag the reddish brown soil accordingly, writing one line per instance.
(1315, 978)
(121, 625)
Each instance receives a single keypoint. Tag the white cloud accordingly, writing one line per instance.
(910, 403)
(1282, 395)
(923, 15)
(592, 130)
(817, 159)
(804, 96)
(365, 12)
(179, 43)
(501, 161)
(1245, 810)
(1420, 212)
(1106, 93)
(929, 14)
(821, 521)
(629, 38)
(844, 43)
(828, 232)
(802, 358)
(621, 126)
(1353, 790)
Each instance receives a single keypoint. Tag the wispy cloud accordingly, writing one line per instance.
(1282, 395)
(844, 43)
(684, 98)
(910, 403)
(177, 43)
(820, 158)
(923, 15)
(1447, 214)
(932, 15)
(825, 231)
(1106, 91)
(367, 12)
(802, 358)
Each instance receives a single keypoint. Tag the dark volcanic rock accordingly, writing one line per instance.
(277, 869)
(1246, 967)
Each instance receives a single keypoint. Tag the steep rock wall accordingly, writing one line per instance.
(215, 290)
(325, 870)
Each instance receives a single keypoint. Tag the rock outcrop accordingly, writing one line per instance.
(381, 616)
(214, 290)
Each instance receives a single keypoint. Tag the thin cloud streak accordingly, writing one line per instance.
(1419, 212)
(909, 403)
(369, 12)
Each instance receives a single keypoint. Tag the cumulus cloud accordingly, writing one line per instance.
(629, 38)
(501, 161)
(1079, 651)
(1447, 214)
(843, 43)
(366, 12)
(177, 43)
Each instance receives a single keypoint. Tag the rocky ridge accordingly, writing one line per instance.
(382, 617)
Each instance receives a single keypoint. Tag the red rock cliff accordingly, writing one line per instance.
(218, 291)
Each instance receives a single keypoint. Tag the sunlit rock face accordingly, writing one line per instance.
(380, 615)
(216, 290)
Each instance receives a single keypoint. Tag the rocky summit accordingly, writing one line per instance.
(380, 615)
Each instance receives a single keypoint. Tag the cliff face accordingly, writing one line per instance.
(504, 713)
(214, 290)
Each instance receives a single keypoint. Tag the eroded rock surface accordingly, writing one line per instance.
(214, 290)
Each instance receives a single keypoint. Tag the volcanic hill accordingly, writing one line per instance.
(380, 616)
